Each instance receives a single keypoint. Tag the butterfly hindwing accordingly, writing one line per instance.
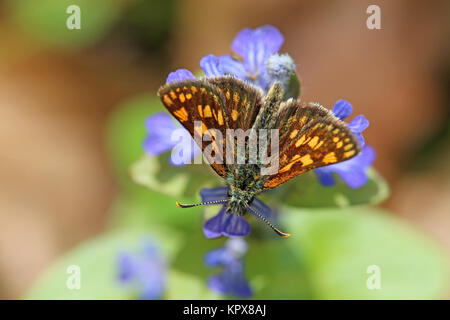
(293, 117)
(322, 141)
(198, 101)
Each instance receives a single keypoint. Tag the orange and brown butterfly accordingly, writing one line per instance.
(309, 137)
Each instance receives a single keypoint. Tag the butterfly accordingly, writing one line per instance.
(308, 136)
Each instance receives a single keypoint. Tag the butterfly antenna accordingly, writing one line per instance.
(261, 217)
(201, 203)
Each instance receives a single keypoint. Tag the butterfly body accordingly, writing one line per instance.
(246, 180)
(239, 200)
(307, 136)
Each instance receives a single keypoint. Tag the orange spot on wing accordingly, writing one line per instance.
(234, 114)
(300, 141)
(329, 158)
(306, 160)
(318, 145)
(220, 117)
(293, 134)
(350, 153)
(181, 114)
(313, 142)
(348, 146)
(207, 111)
(167, 100)
(236, 97)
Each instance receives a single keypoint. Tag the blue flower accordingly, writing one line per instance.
(143, 272)
(179, 75)
(354, 171)
(161, 126)
(229, 224)
(160, 129)
(231, 281)
(260, 66)
(342, 109)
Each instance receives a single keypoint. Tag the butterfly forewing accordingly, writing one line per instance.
(321, 142)
(242, 102)
(199, 101)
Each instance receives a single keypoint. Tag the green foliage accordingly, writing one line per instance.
(183, 286)
(97, 260)
(145, 208)
(156, 173)
(335, 238)
(305, 191)
(338, 246)
(46, 20)
(276, 270)
(126, 131)
(293, 87)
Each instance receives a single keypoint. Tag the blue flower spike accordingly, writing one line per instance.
(231, 224)
(144, 272)
(160, 139)
(260, 65)
(231, 281)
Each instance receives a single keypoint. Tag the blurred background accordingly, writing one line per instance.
(59, 89)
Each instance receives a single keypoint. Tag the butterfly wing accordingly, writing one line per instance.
(294, 116)
(242, 102)
(198, 106)
(311, 137)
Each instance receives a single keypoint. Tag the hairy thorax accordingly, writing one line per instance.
(239, 200)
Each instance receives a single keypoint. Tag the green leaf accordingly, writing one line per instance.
(292, 88)
(145, 208)
(306, 191)
(338, 247)
(126, 130)
(46, 20)
(157, 174)
(97, 259)
(275, 270)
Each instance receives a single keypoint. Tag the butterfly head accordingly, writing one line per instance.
(239, 202)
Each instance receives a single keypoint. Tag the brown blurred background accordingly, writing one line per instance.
(56, 184)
